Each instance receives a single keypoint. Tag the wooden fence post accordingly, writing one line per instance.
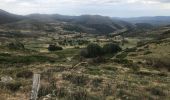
(35, 86)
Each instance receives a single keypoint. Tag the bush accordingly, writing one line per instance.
(79, 94)
(92, 50)
(25, 74)
(111, 48)
(98, 60)
(122, 61)
(122, 55)
(131, 49)
(77, 79)
(54, 47)
(157, 91)
(84, 53)
(162, 62)
(16, 45)
(15, 86)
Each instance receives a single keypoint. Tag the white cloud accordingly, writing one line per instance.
(76, 7)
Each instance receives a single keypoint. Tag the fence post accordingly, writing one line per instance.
(35, 86)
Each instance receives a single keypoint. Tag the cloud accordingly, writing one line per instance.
(76, 7)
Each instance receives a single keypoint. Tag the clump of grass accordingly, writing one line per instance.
(77, 79)
(156, 91)
(52, 89)
(79, 94)
(5, 54)
(122, 61)
(110, 68)
(16, 45)
(12, 86)
(122, 55)
(134, 67)
(97, 81)
(93, 70)
(147, 52)
(162, 62)
(107, 90)
(131, 49)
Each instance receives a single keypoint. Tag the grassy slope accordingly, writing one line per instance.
(107, 80)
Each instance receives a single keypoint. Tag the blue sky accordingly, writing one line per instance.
(113, 8)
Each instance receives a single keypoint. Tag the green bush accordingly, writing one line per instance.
(111, 48)
(54, 47)
(92, 50)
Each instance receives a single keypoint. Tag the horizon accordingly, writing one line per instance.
(85, 14)
(111, 8)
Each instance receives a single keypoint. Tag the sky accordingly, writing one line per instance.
(112, 8)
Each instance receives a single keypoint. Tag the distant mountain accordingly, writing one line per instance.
(156, 21)
(100, 24)
(6, 17)
(49, 18)
(94, 24)
(85, 23)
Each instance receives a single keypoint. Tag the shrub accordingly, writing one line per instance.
(97, 81)
(157, 91)
(79, 94)
(77, 79)
(134, 67)
(25, 74)
(54, 47)
(122, 55)
(16, 45)
(122, 61)
(98, 60)
(162, 62)
(92, 50)
(131, 49)
(15, 86)
(84, 53)
(147, 52)
(111, 48)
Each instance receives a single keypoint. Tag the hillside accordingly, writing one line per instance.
(156, 21)
(78, 59)
(85, 23)
(6, 17)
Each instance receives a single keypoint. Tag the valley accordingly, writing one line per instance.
(88, 57)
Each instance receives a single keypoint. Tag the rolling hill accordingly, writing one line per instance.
(6, 17)
(94, 24)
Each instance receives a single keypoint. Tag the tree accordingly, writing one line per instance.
(94, 50)
(53, 47)
(111, 48)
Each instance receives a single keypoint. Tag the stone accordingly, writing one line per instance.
(6, 79)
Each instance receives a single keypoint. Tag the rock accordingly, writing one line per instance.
(69, 58)
(6, 79)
